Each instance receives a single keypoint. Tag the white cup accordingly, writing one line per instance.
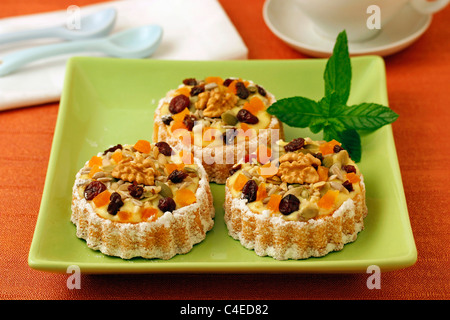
(330, 17)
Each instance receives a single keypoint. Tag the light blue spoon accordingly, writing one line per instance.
(98, 24)
(140, 42)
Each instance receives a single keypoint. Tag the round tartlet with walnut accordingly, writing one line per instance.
(220, 120)
(141, 200)
(307, 202)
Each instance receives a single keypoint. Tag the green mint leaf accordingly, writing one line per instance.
(351, 141)
(366, 116)
(297, 112)
(338, 71)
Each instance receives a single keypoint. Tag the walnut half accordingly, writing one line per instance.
(297, 168)
(215, 102)
(137, 169)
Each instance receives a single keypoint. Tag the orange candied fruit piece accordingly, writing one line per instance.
(323, 173)
(102, 199)
(232, 87)
(328, 199)
(254, 105)
(352, 177)
(124, 216)
(95, 168)
(149, 214)
(95, 161)
(142, 146)
(117, 156)
(170, 167)
(178, 125)
(217, 80)
(274, 202)
(327, 147)
(180, 115)
(240, 182)
(184, 197)
(262, 192)
(185, 91)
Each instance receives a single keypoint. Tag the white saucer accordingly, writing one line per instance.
(291, 25)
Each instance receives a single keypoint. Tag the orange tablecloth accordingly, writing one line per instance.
(418, 81)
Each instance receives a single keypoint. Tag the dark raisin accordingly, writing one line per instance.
(190, 82)
(229, 136)
(164, 148)
(261, 91)
(235, 168)
(246, 116)
(135, 190)
(112, 149)
(177, 176)
(189, 121)
(167, 119)
(93, 189)
(294, 145)
(197, 90)
(179, 103)
(227, 82)
(167, 204)
(249, 191)
(115, 202)
(337, 148)
(318, 156)
(349, 168)
(289, 204)
(241, 90)
(348, 185)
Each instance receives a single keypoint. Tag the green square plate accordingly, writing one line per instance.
(106, 101)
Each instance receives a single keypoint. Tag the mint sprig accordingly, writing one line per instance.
(331, 114)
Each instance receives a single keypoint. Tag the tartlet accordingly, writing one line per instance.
(141, 200)
(221, 121)
(306, 201)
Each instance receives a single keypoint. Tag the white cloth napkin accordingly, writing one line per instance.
(192, 30)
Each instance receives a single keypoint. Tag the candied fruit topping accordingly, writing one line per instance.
(328, 199)
(143, 146)
(102, 199)
(352, 177)
(328, 147)
(95, 161)
(149, 214)
(184, 197)
(240, 181)
(274, 202)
